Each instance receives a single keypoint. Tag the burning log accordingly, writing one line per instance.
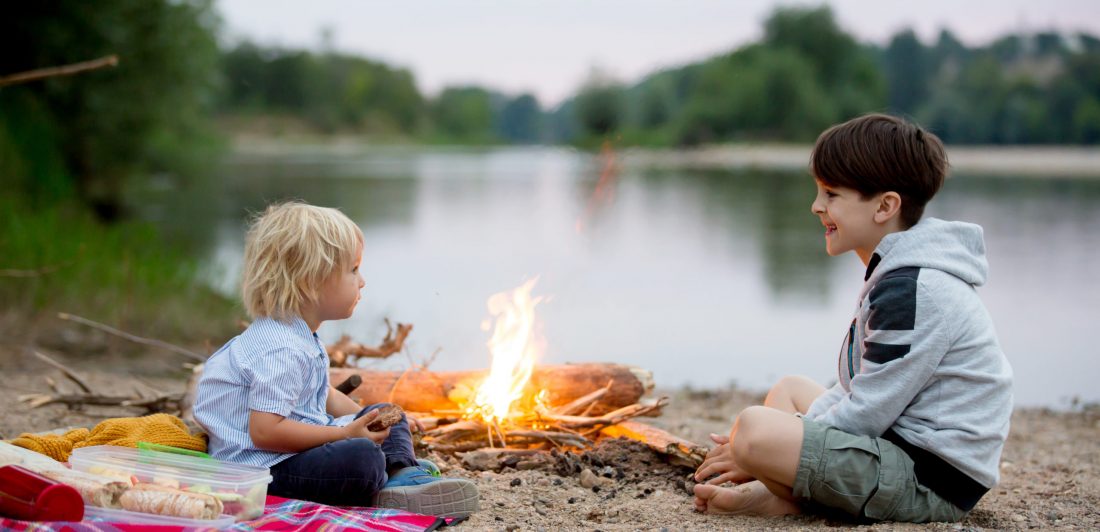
(679, 451)
(432, 391)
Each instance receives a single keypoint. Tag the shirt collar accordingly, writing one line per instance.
(301, 330)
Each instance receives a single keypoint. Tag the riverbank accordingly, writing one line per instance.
(1029, 161)
(1022, 161)
(1050, 470)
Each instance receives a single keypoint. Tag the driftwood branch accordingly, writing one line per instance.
(187, 402)
(133, 338)
(160, 403)
(9, 272)
(72, 375)
(64, 70)
(392, 343)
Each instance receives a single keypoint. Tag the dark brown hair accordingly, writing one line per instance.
(882, 153)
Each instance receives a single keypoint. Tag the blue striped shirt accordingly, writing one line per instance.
(275, 367)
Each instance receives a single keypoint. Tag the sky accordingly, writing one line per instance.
(550, 47)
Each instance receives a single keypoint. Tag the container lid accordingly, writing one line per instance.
(113, 515)
(185, 468)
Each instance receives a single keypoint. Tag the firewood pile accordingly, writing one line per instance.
(566, 407)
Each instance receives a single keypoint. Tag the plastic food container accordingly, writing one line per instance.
(241, 489)
(113, 515)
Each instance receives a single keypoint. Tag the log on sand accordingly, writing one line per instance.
(436, 391)
(678, 450)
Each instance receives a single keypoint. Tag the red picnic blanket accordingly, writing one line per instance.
(279, 514)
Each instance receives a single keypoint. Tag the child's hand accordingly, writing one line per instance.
(719, 461)
(358, 428)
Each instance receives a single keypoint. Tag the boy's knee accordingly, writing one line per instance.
(790, 383)
(752, 433)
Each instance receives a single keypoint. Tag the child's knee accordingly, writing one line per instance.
(366, 461)
(752, 432)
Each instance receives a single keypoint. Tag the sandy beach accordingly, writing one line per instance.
(1050, 471)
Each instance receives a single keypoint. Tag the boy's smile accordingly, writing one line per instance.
(849, 220)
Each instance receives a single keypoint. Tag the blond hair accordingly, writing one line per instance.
(291, 249)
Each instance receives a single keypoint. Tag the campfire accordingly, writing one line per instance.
(517, 406)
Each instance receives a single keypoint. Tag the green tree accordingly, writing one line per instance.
(907, 72)
(813, 33)
(519, 120)
(599, 107)
(111, 125)
(464, 113)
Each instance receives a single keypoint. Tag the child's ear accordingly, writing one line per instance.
(889, 206)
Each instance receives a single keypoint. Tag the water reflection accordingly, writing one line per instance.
(702, 277)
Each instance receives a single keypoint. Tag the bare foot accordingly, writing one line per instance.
(752, 498)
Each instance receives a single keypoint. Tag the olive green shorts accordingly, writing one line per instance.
(865, 477)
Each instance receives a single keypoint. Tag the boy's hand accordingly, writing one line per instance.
(358, 428)
(719, 462)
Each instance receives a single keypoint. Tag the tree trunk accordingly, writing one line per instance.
(428, 391)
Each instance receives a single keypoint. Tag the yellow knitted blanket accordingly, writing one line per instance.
(123, 431)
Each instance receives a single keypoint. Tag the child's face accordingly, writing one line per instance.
(849, 220)
(340, 293)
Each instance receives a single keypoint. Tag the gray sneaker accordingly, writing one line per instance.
(423, 491)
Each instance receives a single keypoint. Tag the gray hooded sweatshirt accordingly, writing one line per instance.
(921, 365)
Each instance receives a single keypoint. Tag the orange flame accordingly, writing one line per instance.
(515, 346)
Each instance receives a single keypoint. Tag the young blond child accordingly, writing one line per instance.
(265, 397)
(914, 428)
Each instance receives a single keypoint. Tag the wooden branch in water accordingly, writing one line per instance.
(64, 70)
(136, 339)
(72, 375)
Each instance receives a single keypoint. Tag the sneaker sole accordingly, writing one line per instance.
(443, 498)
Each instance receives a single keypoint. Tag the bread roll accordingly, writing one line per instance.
(161, 500)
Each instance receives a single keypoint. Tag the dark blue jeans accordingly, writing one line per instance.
(346, 472)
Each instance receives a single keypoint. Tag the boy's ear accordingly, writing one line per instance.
(889, 206)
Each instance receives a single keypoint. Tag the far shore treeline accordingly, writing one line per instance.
(177, 91)
(804, 74)
(74, 148)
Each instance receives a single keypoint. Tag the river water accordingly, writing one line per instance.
(704, 278)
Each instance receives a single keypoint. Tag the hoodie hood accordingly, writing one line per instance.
(957, 248)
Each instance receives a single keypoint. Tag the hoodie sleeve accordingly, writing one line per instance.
(904, 341)
(825, 402)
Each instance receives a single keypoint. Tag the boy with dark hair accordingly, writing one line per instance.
(914, 428)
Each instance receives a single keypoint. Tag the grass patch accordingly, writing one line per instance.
(61, 259)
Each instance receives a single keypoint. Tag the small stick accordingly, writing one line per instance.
(350, 384)
(581, 402)
(9, 272)
(136, 339)
(64, 70)
(66, 371)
